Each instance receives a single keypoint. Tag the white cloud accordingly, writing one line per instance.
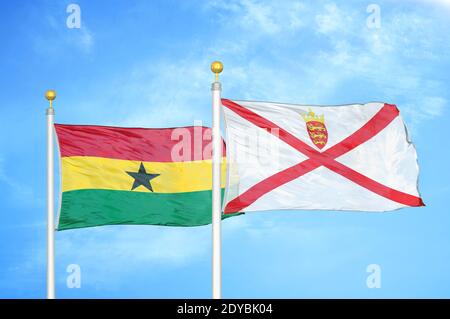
(425, 108)
(276, 50)
(434, 106)
(348, 51)
(332, 20)
(383, 58)
(19, 192)
(59, 38)
(175, 92)
(84, 39)
(443, 3)
(261, 17)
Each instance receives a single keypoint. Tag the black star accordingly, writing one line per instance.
(142, 178)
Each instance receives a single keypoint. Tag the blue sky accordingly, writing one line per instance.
(146, 63)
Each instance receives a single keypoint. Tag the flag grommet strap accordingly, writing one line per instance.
(315, 158)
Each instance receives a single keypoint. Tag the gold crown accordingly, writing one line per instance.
(311, 116)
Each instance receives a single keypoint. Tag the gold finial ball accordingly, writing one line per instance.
(50, 95)
(216, 67)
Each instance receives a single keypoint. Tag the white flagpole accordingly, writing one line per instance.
(216, 68)
(50, 95)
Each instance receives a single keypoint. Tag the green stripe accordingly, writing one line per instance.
(96, 207)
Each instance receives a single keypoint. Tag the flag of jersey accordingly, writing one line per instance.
(350, 157)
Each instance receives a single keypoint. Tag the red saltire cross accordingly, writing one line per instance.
(316, 159)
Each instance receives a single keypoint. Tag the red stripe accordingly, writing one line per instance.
(269, 126)
(374, 186)
(270, 183)
(376, 124)
(142, 144)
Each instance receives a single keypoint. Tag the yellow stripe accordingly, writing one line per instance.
(86, 172)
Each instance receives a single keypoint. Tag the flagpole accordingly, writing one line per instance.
(216, 88)
(50, 95)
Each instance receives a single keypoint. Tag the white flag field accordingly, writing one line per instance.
(354, 157)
